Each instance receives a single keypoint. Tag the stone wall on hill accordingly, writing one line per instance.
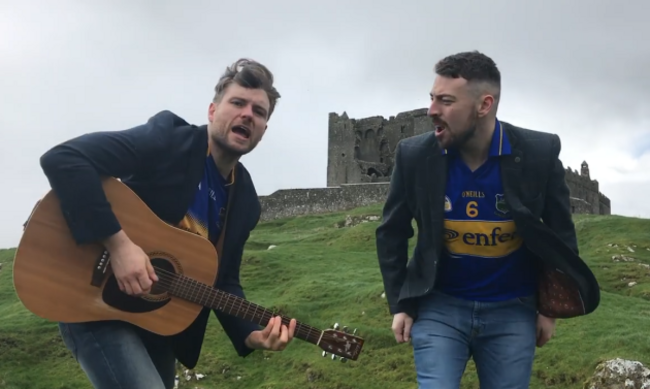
(296, 202)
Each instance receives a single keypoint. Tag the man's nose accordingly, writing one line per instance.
(433, 110)
(247, 111)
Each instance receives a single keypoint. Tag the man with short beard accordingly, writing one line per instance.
(496, 260)
(189, 176)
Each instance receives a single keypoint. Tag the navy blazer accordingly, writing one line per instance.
(162, 161)
(537, 195)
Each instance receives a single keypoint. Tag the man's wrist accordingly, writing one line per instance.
(248, 343)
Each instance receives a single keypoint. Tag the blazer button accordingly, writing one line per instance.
(517, 159)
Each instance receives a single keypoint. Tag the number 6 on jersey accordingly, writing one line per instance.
(471, 209)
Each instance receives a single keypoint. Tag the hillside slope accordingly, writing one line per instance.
(322, 274)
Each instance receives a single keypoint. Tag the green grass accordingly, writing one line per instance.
(321, 274)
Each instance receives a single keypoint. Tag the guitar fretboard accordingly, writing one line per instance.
(207, 296)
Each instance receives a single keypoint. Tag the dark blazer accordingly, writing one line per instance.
(162, 161)
(535, 191)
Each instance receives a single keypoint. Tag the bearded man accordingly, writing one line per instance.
(496, 260)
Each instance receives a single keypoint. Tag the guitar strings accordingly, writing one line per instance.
(203, 292)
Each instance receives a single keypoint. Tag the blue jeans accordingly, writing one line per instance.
(499, 336)
(116, 354)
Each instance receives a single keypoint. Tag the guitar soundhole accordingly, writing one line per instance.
(164, 269)
(156, 299)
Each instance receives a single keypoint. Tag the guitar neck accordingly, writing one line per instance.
(199, 293)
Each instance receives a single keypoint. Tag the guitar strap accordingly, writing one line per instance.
(231, 193)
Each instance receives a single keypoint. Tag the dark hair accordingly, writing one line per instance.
(248, 74)
(472, 66)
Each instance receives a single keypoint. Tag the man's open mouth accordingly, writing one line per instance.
(242, 131)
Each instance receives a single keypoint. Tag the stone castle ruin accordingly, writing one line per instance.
(360, 162)
(361, 151)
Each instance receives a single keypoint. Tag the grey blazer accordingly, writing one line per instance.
(537, 196)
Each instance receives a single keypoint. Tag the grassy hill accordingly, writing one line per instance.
(322, 274)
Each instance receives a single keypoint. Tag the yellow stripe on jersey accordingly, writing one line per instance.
(480, 238)
(192, 224)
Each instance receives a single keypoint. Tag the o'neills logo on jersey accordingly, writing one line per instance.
(481, 238)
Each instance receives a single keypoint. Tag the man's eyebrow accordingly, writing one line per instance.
(442, 95)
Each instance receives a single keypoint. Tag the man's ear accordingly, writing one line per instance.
(211, 109)
(485, 106)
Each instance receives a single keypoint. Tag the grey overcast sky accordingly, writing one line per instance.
(576, 68)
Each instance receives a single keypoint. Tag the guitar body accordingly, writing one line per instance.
(53, 276)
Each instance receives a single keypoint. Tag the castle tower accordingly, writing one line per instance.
(584, 169)
(362, 150)
(341, 143)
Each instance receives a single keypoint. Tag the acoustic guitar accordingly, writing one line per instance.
(61, 281)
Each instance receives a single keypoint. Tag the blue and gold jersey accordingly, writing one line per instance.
(484, 257)
(206, 214)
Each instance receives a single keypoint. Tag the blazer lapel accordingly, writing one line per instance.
(435, 185)
(511, 172)
(227, 217)
(436, 171)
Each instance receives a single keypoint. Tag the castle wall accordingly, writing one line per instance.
(360, 162)
(579, 205)
(605, 206)
(586, 192)
(296, 202)
(361, 150)
(582, 187)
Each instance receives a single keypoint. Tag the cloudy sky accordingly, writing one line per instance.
(578, 69)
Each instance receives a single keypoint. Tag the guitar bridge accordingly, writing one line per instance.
(99, 270)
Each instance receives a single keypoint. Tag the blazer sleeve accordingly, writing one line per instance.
(74, 169)
(393, 234)
(557, 207)
(235, 328)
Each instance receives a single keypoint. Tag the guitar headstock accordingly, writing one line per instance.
(341, 343)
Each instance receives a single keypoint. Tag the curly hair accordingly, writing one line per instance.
(248, 74)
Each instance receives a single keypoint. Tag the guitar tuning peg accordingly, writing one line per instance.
(345, 329)
(333, 357)
(354, 332)
(336, 326)
(324, 354)
(344, 359)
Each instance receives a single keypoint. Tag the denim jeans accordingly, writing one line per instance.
(116, 354)
(499, 336)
